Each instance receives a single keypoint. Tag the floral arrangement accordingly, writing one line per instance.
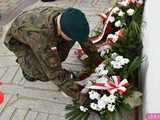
(111, 88)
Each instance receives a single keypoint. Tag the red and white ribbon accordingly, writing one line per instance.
(116, 85)
(112, 85)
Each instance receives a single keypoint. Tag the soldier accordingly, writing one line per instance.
(41, 39)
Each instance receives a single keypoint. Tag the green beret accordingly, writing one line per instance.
(74, 24)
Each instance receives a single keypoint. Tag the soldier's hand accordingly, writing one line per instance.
(83, 99)
(65, 75)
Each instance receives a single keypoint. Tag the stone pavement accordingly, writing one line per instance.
(39, 101)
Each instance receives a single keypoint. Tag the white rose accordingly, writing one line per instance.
(94, 95)
(115, 10)
(121, 13)
(111, 19)
(118, 23)
(130, 12)
(111, 107)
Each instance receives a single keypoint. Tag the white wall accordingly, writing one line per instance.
(151, 43)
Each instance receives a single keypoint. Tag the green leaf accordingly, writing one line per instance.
(134, 99)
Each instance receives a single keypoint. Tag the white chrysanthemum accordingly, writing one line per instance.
(101, 104)
(100, 68)
(111, 19)
(119, 58)
(121, 13)
(118, 23)
(103, 72)
(94, 106)
(105, 98)
(125, 61)
(94, 95)
(115, 10)
(112, 98)
(83, 109)
(130, 12)
(116, 65)
(111, 107)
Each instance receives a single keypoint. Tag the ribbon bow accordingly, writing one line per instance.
(115, 85)
(112, 85)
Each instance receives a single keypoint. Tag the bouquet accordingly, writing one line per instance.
(112, 88)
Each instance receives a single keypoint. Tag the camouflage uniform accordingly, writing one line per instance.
(31, 37)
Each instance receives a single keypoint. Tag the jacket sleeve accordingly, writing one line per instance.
(90, 49)
(46, 53)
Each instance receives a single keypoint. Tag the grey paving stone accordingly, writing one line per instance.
(7, 78)
(7, 97)
(42, 116)
(7, 61)
(34, 94)
(40, 106)
(31, 115)
(55, 117)
(7, 114)
(19, 114)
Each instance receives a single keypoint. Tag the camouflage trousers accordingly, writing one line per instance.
(27, 60)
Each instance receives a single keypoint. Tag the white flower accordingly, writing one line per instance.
(115, 38)
(114, 55)
(94, 106)
(111, 107)
(118, 23)
(100, 71)
(83, 109)
(94, 95)
(140, 2)
(101, 104)
(119, 58)
(125, 61)
(111, 19)
(115, 10)
(112, 98)
(130, 12)
(110, 36)
(116, 64)
(124, 3)
(103, 50)
(103, 72)
(105, 98)
(121, 13)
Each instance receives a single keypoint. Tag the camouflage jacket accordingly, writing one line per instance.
(37, 29)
